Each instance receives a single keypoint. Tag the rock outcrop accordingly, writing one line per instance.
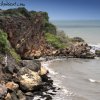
(26, 32)
(81, 50)
(19, 80)
(77, 50)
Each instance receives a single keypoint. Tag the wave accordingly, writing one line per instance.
(94, 81)
(94, 47)
(46, 64)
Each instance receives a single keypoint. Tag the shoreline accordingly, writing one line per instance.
(56, 76)
(62, 90)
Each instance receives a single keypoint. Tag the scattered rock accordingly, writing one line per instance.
(8, 97)
(29, 94)
(33, 65)
(14, 95)
(81, 50)
(21, 95)
(97, 52)
(12, 86)
(88, 55)
(3, 91)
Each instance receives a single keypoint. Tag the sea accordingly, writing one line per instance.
(78, 79)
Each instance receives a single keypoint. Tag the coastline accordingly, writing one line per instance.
(23, 75)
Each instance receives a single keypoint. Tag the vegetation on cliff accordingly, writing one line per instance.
(5, 46)
(14, 54)
(58, 41)
(54, 40)
(3, 42)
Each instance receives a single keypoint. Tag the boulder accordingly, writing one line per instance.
(11, 69)
(28, 79)
(3, 91)
(43, 71)
(77, 39)
(12, 86)
(88, 55)
(33, 65)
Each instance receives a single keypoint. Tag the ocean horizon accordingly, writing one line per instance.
(89, 30)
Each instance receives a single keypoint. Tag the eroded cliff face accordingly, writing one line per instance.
(25, 30)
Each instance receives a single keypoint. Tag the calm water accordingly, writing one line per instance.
(88, 30)
(79, 79)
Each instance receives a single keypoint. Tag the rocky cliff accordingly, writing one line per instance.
(26, 30)
(32, 35)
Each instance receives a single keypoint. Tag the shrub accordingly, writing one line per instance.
(14, 54)
(50, 28)
(23, 11)
(3, 42)
(45, 15)
(17, 11)
(1, 58)
(54, 40)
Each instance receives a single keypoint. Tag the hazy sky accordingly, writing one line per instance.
(63, 9)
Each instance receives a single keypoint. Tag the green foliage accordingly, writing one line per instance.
(14, 54)
(1, 58)
(17, 11)
(33, 12)
(54, 40)
(3, 42)
(45, 15)
(9, 12)
(5, 48)
(50, 28)
(23, 11)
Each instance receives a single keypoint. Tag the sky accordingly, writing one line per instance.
(62, 9)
